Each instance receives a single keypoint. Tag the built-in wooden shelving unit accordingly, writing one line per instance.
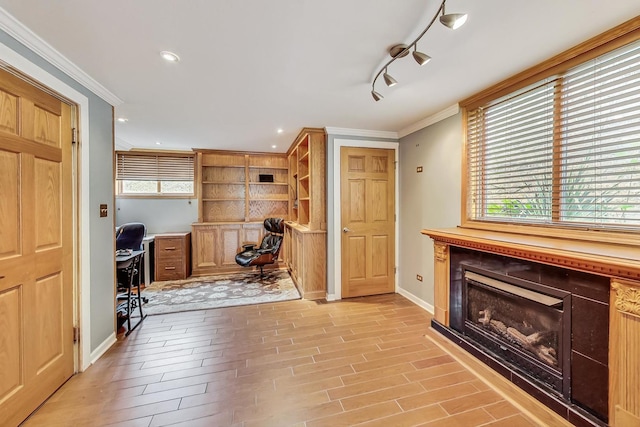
(233, 203)
(305, 242)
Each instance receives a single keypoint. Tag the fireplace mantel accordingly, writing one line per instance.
(619, 263)
(600, 258)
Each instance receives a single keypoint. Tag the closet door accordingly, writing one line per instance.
(36, 299)
(368, 224)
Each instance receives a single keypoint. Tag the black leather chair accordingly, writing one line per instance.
(267, 252)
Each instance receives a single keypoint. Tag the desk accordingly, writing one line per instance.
(128, 264)
(146, 259)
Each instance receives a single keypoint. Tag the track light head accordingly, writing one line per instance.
(376, 95)
(453, 20)
(421, 58)
(390, 81)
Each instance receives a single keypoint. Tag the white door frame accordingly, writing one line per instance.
(82, 265)
(338, 143)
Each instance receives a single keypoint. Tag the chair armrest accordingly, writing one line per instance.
(248, 247)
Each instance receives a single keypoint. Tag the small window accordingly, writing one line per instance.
(154, 174)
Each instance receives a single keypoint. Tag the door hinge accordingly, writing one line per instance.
(74, 135)
(76, 334)
(395, 270)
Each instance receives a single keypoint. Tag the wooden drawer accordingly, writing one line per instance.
(170, 247)
(172, 256)
(170, 270)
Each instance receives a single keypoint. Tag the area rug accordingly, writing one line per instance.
(202, 293)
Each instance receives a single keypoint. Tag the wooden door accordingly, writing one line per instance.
(367, 185)
(36, 300)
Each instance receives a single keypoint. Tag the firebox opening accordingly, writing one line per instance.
(519, 323)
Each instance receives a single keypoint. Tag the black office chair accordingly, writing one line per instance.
(269, 249)
(129, 236)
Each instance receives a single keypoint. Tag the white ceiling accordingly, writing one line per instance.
(249, 67)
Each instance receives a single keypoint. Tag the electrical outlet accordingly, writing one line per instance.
(103, 211)
(419, 169)
(419, 277)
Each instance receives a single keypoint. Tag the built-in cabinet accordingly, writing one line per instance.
(305, 241)
(306, 258)
(237, 191)
(215, 245)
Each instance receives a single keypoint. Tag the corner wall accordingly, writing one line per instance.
(430, 199)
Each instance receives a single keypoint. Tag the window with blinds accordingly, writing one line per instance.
(563, 151)
(156, 174)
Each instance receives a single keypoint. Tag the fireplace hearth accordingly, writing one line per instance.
(544, 328)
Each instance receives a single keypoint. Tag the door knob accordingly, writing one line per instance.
(345, 230)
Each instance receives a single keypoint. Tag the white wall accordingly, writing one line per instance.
(158, 215)
(430, 199)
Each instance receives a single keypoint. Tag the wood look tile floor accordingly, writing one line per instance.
(364, 362)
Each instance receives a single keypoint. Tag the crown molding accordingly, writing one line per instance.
(31, 40)
(361, 132)
(122, 145)
(434, 118)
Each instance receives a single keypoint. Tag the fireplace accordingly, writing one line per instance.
(525, 324)
(544, 328)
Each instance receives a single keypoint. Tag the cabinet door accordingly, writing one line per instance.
(286, 250)
(205, 242)
(230, 244)
(252, 233)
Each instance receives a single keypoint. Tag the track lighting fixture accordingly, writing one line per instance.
(421, 58)
(390, 81)
(450, 20)
(376, 95)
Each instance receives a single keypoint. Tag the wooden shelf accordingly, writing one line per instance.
(231, 190)
(307, 163)
(269, 167)
(267, 183)
(223, 182)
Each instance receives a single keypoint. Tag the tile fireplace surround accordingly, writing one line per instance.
(600, 284)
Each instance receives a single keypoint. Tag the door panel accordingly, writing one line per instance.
(9, 206)
(367, 179)
(230, 239)
(36, 247)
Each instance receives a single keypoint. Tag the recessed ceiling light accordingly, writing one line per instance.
(158, 143)
(169, 56)
(280, 131)
(123, 119)
(274, 146)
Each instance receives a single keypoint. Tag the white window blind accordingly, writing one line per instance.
(154, 167)
(563, 151)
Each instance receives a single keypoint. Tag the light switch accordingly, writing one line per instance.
(103, 211)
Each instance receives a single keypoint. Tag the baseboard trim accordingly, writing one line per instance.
(102, 349)
(417, 301)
